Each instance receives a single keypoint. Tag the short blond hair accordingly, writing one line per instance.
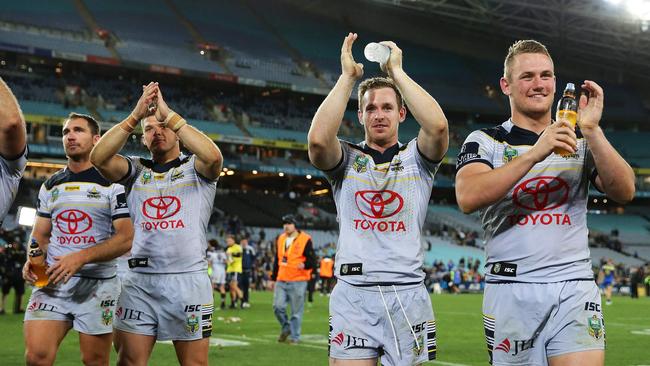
(520, 47)
(378, 83)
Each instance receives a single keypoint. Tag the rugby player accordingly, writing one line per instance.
(167, 295)
(379, 307)
(77, 212)
(541, 304)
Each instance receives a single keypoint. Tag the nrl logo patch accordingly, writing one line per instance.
(509, 154)
(146, 177)
(360, 163)
(107, 316)
(595, 327)
(55, 194)
(192, 323)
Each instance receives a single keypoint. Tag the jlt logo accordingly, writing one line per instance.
(349, 341)
(519, 346)
(130, 314)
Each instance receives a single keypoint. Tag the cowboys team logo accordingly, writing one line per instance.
(177, 174)
(509, 154)
(93, 193)
(397, 166)
(360, 163)
(192, 323)
(595, 327)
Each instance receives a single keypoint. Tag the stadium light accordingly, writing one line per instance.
(26, 216)
(638, 8)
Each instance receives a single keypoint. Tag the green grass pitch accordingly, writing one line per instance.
(248, 337)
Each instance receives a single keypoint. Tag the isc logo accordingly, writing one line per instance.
(419, 327)
(107, 303)
(192, 308)
(592, 306)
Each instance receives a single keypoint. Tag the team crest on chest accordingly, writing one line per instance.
(396, 165)
(93, 193)
(177, 174)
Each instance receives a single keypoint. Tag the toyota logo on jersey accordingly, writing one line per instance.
(379, 205)
(73, 222)
(541, 194)
(159, 208)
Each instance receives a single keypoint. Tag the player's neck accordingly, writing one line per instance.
(531, 122)
(166, 157)
(77, 166)
(381, 146)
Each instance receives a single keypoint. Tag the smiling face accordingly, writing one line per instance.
(381, 113)
(78, 139)
(530, 84)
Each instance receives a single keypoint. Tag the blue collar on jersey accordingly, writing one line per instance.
(378, 157)
(162, 168)
(512, 134)
(90, 175)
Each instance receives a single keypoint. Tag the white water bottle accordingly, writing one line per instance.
(377, 52)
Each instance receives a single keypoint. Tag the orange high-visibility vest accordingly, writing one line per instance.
(326, 268)
(288, 261)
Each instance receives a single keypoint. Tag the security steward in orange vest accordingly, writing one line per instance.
(292, 268)
(326, 273)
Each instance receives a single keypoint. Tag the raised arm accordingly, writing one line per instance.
(433, 138)
(324, 147)
(118, 244)
(478, 185)
(105, 153)
(615, 176)
(208, 156)
(12, 124)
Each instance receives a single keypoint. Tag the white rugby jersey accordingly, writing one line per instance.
(218, 260)
(10, 173)
(381, 203)
(538, 231)
(82, 207)
(170, 205)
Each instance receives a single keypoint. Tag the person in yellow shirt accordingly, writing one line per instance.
(294, 262)
(234, 270)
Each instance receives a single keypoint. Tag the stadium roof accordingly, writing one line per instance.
(609, 34)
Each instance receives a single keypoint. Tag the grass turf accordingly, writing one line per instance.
(248, 337)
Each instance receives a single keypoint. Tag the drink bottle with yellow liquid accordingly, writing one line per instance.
(37, 260)
(567, 110)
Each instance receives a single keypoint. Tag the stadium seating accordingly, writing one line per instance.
(632, 229)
